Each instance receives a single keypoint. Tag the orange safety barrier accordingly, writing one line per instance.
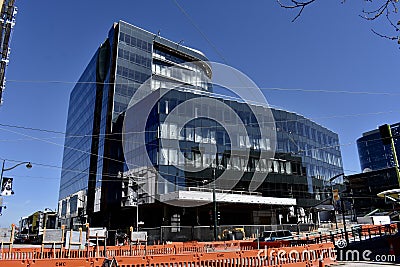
(177, 255)
(377, 229)
(132, 250)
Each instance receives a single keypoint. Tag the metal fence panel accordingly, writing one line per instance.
(5, 235)
(53, 236)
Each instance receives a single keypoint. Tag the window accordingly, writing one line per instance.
(164, 130)
(173, 131)
(275, 167)
(197, 135)
(173, 157)
(267, 143)
(182, 134)
(288, 168)
(197, 160)
(212, 137)
(235, 163)
(189, 134)
(188, 158)
(206, 135)
(176, 223)
(64, 207)
(242, 141)
(163, 156)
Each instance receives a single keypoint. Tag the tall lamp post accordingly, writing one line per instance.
(341, 207)
(3, 169)
(330, 185)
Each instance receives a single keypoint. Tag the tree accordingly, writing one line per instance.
(378, 9)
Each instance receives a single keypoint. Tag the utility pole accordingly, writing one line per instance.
(214, 208)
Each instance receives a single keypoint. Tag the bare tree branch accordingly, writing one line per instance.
(387, 8)
(296, 5)
(374, 14)
(384, 36)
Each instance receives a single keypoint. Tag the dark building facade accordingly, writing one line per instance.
(378, 171)
(101, 181)
(365, 187)
(373, 154)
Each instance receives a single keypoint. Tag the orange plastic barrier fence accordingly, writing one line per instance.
(176, 256)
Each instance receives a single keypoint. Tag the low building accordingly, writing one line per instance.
(364, 187)
(32, 226)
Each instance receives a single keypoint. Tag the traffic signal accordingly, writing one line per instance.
(335, 193)
(386, 135)
(218, 216)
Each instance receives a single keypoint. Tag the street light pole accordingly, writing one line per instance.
(341, 207)
(3, 169)
(346, 236)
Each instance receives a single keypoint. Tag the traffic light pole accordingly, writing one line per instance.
(386, 136)
(394, 156)
(215, 209)
(346, 235)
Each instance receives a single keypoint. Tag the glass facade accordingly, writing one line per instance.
(373, 154)
(133, 64)
(78, 140)
(296, 135)
(93, 154)
(318, 147)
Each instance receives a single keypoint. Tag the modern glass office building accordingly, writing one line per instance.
(373, 154)
(93, 152)
(102, 171)
(315, 147)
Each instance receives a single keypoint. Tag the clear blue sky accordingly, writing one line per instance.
(328, 48)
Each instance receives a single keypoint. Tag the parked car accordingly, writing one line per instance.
(275, 235)
(21, 239)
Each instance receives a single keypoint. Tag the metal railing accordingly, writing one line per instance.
(164, 234)
(230, 192)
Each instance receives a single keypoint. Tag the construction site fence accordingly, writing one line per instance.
(307, 249)
(221, 254)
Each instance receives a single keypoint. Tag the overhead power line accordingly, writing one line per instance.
(235, 87)
(138, 132)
